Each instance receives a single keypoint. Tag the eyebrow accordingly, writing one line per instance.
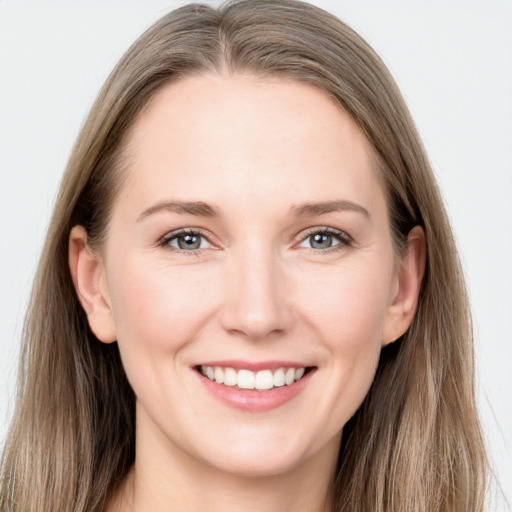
(306, 209)
(182, 207)
(202, 209)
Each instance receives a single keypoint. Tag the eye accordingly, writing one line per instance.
(186, 240)
(324, 239)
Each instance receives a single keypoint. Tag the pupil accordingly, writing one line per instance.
(321, 241)
(189, 242)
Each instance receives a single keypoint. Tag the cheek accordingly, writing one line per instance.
(347, 309)
(347, 304)
(157, 306)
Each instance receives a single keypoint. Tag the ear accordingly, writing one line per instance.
(89, 279)
(411, 269)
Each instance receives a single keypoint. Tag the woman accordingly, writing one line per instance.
(191, 343)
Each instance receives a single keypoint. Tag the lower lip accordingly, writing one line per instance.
(255, 401)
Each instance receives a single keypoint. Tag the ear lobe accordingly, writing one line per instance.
(89, 279)
(411, 269)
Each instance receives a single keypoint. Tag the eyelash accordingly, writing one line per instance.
(167, 239)
(343, 238)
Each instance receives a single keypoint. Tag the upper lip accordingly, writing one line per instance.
(238, 364)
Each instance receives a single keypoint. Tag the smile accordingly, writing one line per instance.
(262, 380)
(254, 387)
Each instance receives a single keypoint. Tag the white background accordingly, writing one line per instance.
(452, 60)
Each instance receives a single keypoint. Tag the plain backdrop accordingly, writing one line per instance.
(452, 60)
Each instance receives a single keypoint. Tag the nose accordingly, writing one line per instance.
(256, 304)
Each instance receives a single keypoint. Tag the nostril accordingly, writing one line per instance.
(256, 305)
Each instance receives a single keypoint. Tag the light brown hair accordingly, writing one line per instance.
(414, 444)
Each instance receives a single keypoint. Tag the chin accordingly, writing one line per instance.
(260, 466)
(257, 456)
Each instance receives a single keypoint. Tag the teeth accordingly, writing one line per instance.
(230, 377)
(279, 377)
(289, 377)
(264, 380)
(299, 373)
(247, 379)
(219, 375)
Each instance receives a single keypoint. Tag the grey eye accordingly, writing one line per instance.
(320, 240)
(188, 241)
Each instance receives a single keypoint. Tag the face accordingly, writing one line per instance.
(248, 273)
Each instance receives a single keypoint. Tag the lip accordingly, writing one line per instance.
(251, 400)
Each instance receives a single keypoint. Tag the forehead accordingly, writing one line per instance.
(210, 137)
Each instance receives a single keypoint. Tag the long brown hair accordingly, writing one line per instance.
(414, 444)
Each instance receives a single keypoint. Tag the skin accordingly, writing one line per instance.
(258, 289)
